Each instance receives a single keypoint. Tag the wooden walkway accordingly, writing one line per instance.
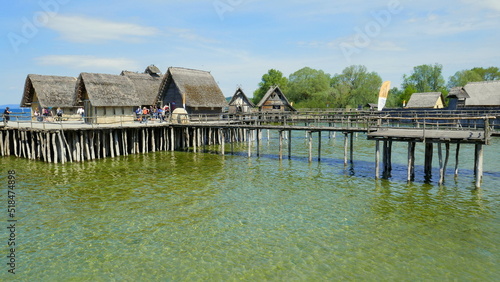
(70, 141)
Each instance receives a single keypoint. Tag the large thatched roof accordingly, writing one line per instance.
(240, 97)
(52, 91)
(106, 90)
(147, 86)
(197, 87)
(275, 96)
(425, 100)
(485, 93)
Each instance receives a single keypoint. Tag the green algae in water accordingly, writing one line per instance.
(199, 216)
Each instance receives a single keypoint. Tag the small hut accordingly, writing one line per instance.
(426, 100)
(147, 84)
(106, 98)
(275, 101)
(50, 92)
(240, 103)
(194, 90)
(456, 98)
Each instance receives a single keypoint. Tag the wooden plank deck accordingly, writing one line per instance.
(429, 135)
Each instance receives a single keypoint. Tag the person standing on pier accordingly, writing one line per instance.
(81, 112)
(6, 115)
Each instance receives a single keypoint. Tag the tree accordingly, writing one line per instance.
(394, 99)
(491, 73)
(425, 78)
(271, 78)
(355, 86)
(306, 84)
(461, 78)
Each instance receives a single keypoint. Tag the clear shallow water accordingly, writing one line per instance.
(201, 216)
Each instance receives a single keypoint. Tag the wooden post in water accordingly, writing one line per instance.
(345, 147)
(319, 146)
(457, 159)
(289, 144)
(258, 142)
(249, 140)
(411, 161)
(377, 159)
(309, 135)
(479, 164)
(351, 147)
(223, 139)
(428, 161)
(280, 134)
(384, 159)
(441, 163)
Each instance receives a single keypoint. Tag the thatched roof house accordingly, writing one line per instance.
(274, 100)
(46, 91)
(456, 98)
(106, 97)
(240, 103)
(429, 100)
(483, 94)
(147, 84)
(195, 90)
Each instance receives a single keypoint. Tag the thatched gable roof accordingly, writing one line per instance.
(52, 91)
(239, 95)
(146, 85)
(486, 93)
(280, 98)
(197, 87)
(425, 100)
(106, 90)
(458, 92)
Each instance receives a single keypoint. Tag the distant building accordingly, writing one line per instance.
(275, 101)
(240, 103)
(50, 92)
(426, 100)
(194, 90)
(456, 98)
(485, 94)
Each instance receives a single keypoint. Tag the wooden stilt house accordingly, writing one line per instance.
(147, 84)
(483, 94)
(275, 101)
(50, 92)
(106, 98)
(240, 103)
(194, 90)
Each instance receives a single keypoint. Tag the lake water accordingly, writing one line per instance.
(204, 217)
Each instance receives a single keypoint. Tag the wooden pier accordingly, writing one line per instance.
(76, 142)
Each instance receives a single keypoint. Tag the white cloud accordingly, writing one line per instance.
(85, 62)
(486, 4)
(190, 35)
(90, 30)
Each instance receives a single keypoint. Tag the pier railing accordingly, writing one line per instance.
(340, 119)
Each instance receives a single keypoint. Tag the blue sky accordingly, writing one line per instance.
(240, 40)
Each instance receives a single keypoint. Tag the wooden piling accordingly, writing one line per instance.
(411, 161)
(479, 164)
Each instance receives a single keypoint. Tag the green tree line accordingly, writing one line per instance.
(356, 86)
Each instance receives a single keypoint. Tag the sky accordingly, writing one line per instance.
(240, 40)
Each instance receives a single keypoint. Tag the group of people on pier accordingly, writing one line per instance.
(152, 113)
(46, 115)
